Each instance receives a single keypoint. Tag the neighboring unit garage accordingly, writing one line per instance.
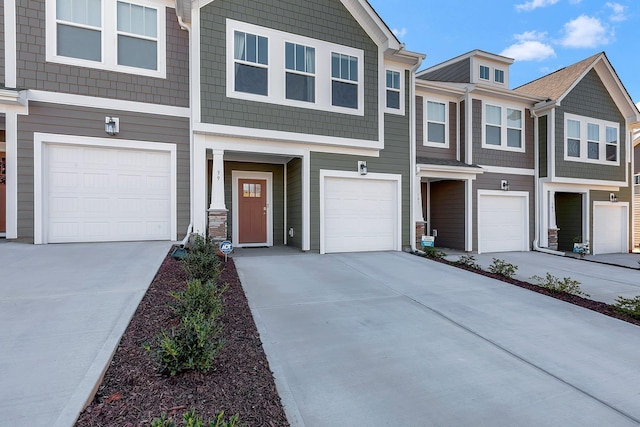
(610, 224)
(359, 212)
(97, 193)
(503, 219)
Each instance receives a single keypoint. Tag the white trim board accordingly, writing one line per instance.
(236, 175)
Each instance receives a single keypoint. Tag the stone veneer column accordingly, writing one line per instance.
(217, 212)
(218, 224)
(553, 238)
(421, 230)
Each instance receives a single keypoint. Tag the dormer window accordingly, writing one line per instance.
(484, 72)
(499, 76)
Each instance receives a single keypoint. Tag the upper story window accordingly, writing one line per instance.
(436, 124)
(393, 89)
(484, 72)
(591, 140)
(107, 34)
(301, 68)
(498, 76)
(251, 63)
(272, 66)
(503, 128)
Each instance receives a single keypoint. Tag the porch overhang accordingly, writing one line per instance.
(446, 169)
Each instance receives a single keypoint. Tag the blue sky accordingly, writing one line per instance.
(541, 35)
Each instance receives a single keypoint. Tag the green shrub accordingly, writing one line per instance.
(202, 261)
(192, 345)
(628, 306)
(468, 261)
(163, 421)
(554, 284)
(433, 253)
(198, 296)
(503, 268)
(192, 420)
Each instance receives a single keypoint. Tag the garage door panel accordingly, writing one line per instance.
(610, 229)
(502, 223)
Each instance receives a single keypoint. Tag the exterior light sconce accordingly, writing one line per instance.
(112, 125)
(362, 168)
(504, 185)
(613, 198)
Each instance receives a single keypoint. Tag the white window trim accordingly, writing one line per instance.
(584, 148)
(109, 40)
(277, 69)
(503, 128)
(425, 125)
(398, 111)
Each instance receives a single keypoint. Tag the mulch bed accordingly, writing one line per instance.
(134, 393)
(598, 306)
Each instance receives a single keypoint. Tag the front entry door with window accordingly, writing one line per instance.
(252, 211)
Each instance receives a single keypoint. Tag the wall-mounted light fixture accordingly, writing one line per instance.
(362, 168)
(504, 185)
(613, 198)
(112, 125)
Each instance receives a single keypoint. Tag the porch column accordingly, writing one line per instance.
(469, 215)
(217, 209)
(553, 226)
(421, 225)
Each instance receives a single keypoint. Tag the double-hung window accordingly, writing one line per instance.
(503, 128)
(300, 75)
(498, 76)
(110, 35)
(591, 140)
(251, 63)
(484, 72)
(436, 124)
(393, 89)
(344, 80)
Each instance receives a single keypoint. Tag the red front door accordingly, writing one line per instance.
(3, 193)
(252, 211)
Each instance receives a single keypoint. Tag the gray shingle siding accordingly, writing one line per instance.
(460, 72)
(68, 120)
(590, 99)
(33, 72)
(326, 20)
(542, 147)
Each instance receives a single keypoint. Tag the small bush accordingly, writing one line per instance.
(503, 268)
(566, 285)
(200, 297)
(163, 421)
(192, 345)
(202, 261)
(468, 261)
(628, 306)
(433, 253)
(192, 420)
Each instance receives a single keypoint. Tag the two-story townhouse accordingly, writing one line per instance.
(302, 125)
(584, 162)
(96, 118)
(475, 155)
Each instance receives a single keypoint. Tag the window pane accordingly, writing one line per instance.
(393, 80)
(300, 58)
(94, 10)
(514, 138)
(252, 48)
(573, 148)
(573, 129)
(484, 72)
(344, 94)
(593, 132)
(493, 135)
(79, 43)
(124, 17)
(290, 56)
(593, 150)
(135, 52)
(137, 19)
(150, 22)
(499, 76)
(344, 67)
(393, 99)
(514, 118)
(389, 78)
(64, 10)
(263, 51)
(612, 135)
(494, 115)
(335, 65)
(435, 111)
(353, 69)
(240, 46)
(251, 79)
(435, 132)
(310, 60)
(300, 87)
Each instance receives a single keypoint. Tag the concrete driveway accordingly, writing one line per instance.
(390, 339)
(63, 309)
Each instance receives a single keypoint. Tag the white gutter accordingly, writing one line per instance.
(536, 179)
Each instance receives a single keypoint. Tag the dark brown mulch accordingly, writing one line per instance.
(133, 391)
(598, 306)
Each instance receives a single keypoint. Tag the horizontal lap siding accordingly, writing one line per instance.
(459, 72)
(67, 120)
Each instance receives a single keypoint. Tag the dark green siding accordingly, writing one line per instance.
(589, 98)
(326, 20)
(278, 194)
(542, 147)
(294, 202)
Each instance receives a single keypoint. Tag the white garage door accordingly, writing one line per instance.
(96, 194)
(502, 223)
(610, 229)
(360, 215)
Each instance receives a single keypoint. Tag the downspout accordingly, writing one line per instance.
(536, 222)
(412, 152)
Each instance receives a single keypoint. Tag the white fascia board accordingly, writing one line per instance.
(605, 185)
(508, 171)
(12, 97)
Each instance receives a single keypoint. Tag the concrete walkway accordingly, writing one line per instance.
(603, 277)
(63, 309)
(391, 339)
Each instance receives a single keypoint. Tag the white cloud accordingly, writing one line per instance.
(534, 4)
(530, 46)
(399, 33)
(585, 31)
(618, 12)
